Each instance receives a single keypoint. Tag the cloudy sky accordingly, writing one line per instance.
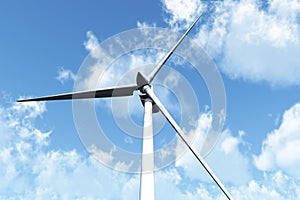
(254, 44)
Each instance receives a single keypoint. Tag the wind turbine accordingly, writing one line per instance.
(151, 104)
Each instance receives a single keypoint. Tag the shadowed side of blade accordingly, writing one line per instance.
(102, 93)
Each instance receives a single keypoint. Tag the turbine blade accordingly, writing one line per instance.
(167, 56)
(180, 133)
(102, 93)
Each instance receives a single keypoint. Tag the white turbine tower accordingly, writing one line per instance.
(151, 104)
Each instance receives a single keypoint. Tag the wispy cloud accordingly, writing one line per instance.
(64, 75)
(280, 148)
(235, 168)
(272, 186)
(92, 43)
(182, 12)
(30, 170)
(249, 41)
(231, 161)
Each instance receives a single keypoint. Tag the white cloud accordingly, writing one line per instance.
(250, 42)
(106, 157)
(226, 159)
(99, 74)
(92, 43)
(183, 12)
(145, 24)
(285, 9)
(90, 73)
(261, 45)
(174, 182)
(64, 75)
(102, 70)
(229, 145)
(27, 110)
(273, 186)
(67, 175)
(30, 170)
(280, 148)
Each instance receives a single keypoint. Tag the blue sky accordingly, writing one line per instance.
(255, 46)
